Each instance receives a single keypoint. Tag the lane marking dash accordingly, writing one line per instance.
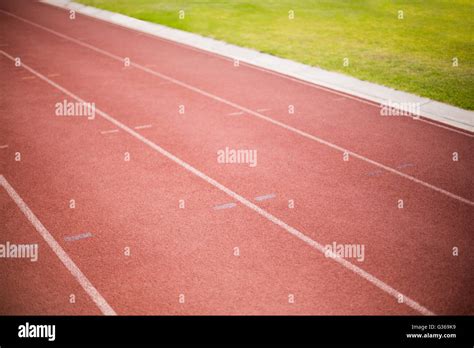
(405, 165)
(109, 131)
(143, 127)
(375, 173)
(225, 206)
(77, 237)
(236, 113)
(265, 197)
(3, 146)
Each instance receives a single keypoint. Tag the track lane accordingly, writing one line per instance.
(24, 290)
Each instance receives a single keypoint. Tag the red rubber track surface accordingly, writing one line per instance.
(190, 251)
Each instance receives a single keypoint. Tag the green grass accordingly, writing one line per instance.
(413, 54)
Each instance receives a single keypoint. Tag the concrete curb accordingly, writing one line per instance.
(380, 95)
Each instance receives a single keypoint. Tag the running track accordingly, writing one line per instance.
(182, 259)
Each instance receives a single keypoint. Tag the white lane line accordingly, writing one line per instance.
(400, 166)
(263, 110)
(225, 206)
(256, 114)
(265, 197)
(441, 126)
(293, 231)
(143, 127)
(78, 236)
(109, 131)
(3, 146)
(61, 254)
(28, 77)
(236, 113)
(348, 96)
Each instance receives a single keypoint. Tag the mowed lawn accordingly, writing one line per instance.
(413, 54)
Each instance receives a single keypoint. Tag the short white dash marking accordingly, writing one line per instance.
(225, 206)
(3, 146)
(77, 237)
(405, 165)
(143, 127)
(265, 197)
(236, 113)
(109, 131)
(262, 110)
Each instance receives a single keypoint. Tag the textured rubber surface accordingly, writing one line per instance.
(190, 250)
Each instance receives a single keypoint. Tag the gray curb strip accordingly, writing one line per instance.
(440, 112)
